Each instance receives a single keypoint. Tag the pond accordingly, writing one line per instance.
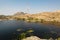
(12, 28)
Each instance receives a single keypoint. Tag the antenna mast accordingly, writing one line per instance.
(28, 7)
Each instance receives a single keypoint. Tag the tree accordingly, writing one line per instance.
(42, 20)
(30, 18)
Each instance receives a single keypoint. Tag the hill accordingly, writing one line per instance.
(47, 16)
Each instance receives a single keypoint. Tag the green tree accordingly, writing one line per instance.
(30, 18)
(42, 20)
(54, 21)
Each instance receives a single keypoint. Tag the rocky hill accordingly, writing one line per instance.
(47, 16)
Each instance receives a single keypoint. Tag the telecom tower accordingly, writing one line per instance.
(28, 7)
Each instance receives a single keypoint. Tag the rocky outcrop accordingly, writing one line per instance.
(33, 38)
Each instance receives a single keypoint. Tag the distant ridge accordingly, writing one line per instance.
(57, 11)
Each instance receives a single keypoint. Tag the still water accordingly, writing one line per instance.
(10, 27)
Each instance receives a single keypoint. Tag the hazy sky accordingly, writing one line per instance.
(30, 6)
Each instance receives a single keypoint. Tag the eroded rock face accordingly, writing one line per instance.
(33, 38)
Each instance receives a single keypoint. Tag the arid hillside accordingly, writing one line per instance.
(47, 16)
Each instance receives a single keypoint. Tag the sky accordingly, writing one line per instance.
(9, 7)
